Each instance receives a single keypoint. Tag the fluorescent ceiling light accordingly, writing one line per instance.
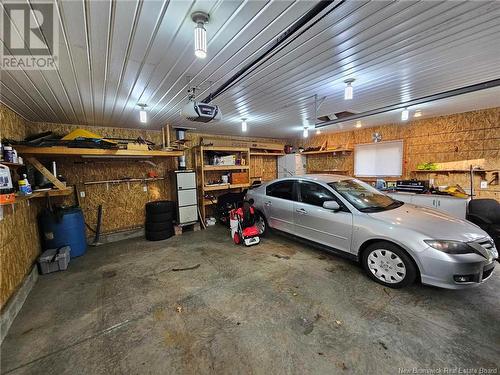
(305, 133)
(244, 126)
(418, 113)
(143, 116)
(358, 124)
(405, 114)
(348, 91)
(318, 132)
(200, 34)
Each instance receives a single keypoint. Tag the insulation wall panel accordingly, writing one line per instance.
(19, 242)
(453, 138)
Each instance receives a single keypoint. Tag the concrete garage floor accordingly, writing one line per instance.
(121, 309)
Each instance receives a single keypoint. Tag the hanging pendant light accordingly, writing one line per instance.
(305, 133)
(200, 34)
(348, 91)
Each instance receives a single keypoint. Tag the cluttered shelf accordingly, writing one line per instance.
(224, 167)
(328, 171)
(12, 165)
(453, 170)
(333, 151)
(225, 149)
(266, 153)
(224, 187)
(67, 151)
(40, 194)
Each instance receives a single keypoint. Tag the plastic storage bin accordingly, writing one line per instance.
(53, 260)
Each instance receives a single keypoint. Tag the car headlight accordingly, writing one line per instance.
(450, 247)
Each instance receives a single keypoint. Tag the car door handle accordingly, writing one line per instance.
(301, 211)
(268, 204)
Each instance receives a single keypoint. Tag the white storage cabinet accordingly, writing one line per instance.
(291, 165)
(451, 205)
(186, 197)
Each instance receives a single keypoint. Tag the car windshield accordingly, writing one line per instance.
(363, 196)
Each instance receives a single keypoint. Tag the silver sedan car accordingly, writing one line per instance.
(395, 242)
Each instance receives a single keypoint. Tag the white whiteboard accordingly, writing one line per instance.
(382, 159)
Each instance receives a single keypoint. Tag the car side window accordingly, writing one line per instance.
(281, 189)
(315, 194)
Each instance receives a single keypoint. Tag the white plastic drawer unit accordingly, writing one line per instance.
(187, 198)
(186, 180)
(188, 214)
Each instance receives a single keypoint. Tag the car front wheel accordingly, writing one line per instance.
(261, 223)
(389, 265)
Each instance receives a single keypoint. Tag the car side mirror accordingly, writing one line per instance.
(331, 205)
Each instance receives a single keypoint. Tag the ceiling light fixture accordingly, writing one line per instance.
(305, 133)
(405, 114)
(418, 113)
(348, 91)
(143, 116)
(244, 126)
(200, 34)
(318, 131)
(358, 124)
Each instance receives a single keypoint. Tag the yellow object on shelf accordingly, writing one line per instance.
(456, 191)
(82, 133)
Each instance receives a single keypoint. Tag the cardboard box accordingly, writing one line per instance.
(239, 178)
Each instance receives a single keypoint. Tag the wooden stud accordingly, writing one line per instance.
(46, 173)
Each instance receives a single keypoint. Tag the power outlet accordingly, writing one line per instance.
(82, 194)
(484, 184)
(145, 188)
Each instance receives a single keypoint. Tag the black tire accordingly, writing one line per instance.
(160, 207)
(160, 235)
(262, 225)
(159, 227)
(160, 218)
(383, 247)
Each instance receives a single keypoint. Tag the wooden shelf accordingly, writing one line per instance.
(328, 171)
(90, 152)
(225, 187)
(453, 171)
(208, 202)
(40, 194)
(11, 165)
(342, 150)
(266, 153)
(225, 149)
(224, 167)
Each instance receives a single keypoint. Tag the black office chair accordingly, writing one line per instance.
(486, 214)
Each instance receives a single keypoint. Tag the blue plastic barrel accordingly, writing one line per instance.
(63, 227)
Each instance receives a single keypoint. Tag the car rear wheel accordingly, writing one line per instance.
(389, 265)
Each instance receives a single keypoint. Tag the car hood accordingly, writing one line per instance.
(431, 223)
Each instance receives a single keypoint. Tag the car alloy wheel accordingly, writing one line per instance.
(386, 266)
(261, 224)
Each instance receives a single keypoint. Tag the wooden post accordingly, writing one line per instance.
(168, 135)
(163, 138)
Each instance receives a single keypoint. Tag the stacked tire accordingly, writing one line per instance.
(160, 220)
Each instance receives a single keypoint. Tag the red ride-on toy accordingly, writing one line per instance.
(243, 228)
